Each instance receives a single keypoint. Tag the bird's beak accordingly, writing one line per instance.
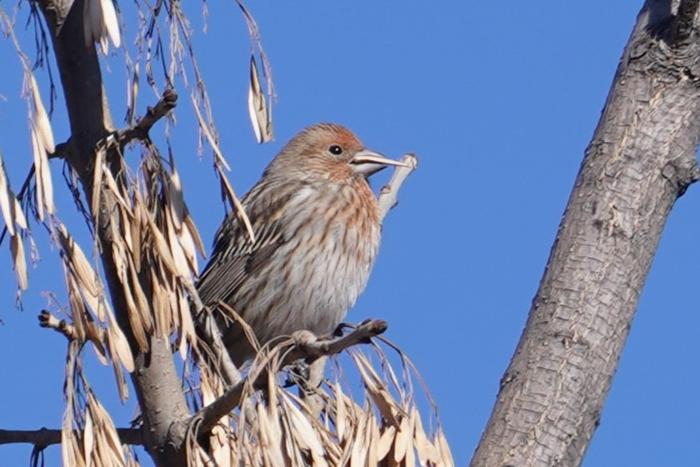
(367, 162)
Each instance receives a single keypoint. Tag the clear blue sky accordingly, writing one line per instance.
(499, 99)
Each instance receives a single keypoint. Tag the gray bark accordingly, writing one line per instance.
(641, 159)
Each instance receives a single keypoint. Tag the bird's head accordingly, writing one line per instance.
(328, 151)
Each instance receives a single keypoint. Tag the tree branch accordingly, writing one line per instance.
(45, 437)
(304, 345)
(641, 159)
(49, 321)
(388, 195)
(93, 333)
(140, 129)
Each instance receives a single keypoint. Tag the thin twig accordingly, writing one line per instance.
(304, 345)
(45, 437)
(388, 195)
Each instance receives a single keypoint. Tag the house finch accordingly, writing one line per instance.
(316, 223)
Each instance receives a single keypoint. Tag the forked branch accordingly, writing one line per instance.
(140, 129)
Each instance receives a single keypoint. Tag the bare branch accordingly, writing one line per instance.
(140, 130)
(304, 345)
(47, 320)
(45, 437)
(308, 346)
(93, 333)
(388, 195)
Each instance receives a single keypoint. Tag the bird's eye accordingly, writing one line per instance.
(335, 150)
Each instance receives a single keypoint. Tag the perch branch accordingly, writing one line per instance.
(307, 345)
(45, 437)
(304, 345)
(141, 128)
(388, 195)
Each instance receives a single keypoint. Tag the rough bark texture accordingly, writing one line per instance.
(156, 381)
(641, 159)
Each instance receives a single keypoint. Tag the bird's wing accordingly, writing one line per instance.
(234, 257)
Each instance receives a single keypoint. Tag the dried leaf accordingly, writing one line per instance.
(403, 439)
(78, 264)
(339, 412)
(372, 435)
(164, 253)
(100, 23)
(19, 217)
(379, 394)
(97, 180)
(119, 347)
(179, 257)
(176, 205)
(19, 261)
(445, 453)
(359, 448)
(258, 110)
(194, 233)
(184, 238)
(88, 438)
(386, 441)
(141, 300)
(425, 449)
(137, 326)
(37, 152)
(6, 200)
(132, 94)
(112, 185)
(107, 429)
(109, 18)
(41, 118)
(304, 433)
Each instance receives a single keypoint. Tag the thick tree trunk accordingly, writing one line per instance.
(155, 378)
(641, 159)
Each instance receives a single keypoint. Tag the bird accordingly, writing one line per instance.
(316, 226)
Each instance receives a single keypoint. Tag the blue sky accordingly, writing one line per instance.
(499, 100)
